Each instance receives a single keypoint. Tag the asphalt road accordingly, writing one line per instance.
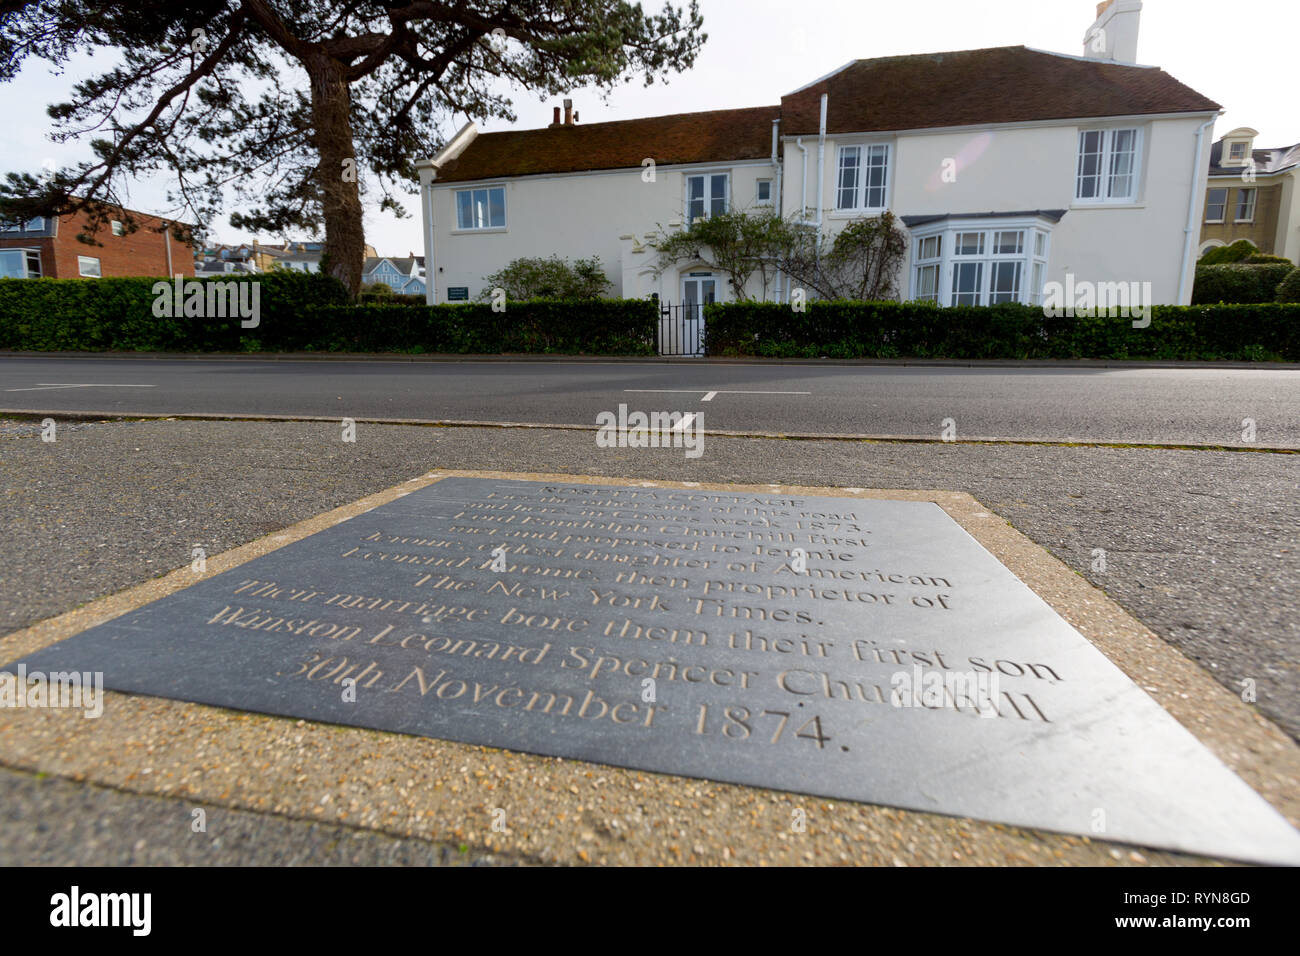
(1206, 406)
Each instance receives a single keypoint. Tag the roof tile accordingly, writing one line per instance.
(713, 136)
(1011, 84)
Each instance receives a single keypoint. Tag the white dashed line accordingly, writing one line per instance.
(43, 386)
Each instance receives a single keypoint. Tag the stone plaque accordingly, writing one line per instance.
(860, 649)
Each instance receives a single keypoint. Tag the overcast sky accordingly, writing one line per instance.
(759, 50)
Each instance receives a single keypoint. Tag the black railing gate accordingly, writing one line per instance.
(681, 329)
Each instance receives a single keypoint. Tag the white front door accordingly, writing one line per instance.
(698, 290)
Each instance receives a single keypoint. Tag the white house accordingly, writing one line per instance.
(1010, 167)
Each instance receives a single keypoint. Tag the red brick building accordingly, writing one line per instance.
(48, 247)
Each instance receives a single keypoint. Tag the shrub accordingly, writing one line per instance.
(117, 314)
(600, 327)
(922, 330)
(1288, 289)
(391, 298)
(1235, 252)
(308, 312)
(553, 278)
(1238, 283)
(1263, 259)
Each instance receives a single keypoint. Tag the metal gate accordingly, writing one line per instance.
(681, 329)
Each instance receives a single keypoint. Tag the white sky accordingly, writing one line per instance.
(759, 50)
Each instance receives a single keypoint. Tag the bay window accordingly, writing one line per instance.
(980, 262)
(929, 252)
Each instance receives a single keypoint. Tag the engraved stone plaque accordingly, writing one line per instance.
(859, 649)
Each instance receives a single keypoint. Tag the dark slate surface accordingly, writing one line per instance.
(966, 693)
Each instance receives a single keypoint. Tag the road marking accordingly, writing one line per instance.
(708, 397)
(45, 386)
(720, 391)
(685, 423)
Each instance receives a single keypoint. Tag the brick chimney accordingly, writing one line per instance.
(555, 118)
(568, 112)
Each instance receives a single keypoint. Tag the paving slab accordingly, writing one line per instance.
(1268, 761)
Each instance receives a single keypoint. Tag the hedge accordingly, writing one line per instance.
(118, 314)
(1238, 251)
(391, 298)
(1239, 282)
(302, 312)
(1289, 289)
(1269, 332)
(308, 312)
(566, 326)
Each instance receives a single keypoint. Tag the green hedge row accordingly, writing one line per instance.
(303, 312)
(1240, 282)
(122, 314)
(565, 326)
(1265, 332)
(306, 312)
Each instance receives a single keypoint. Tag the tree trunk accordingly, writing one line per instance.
(338, 176)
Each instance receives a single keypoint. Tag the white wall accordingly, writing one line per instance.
(1288, 224)
(998, 169)
(1012, 169)
(575, 216)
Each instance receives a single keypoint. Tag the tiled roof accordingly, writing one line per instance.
(970, 87)
(1267, 161)
(714, 136)
(403, 264)
(998, 85)
(1056, 215)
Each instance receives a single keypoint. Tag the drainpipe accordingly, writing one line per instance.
(803, 188)
(776, 195)
(821, 159)
(428, 172)
(1189, 237)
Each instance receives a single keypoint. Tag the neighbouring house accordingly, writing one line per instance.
(224, 261)
(245, 258)
(1010, 167)
(48, 247)
(1252, 194)
(404, 276)
(301, 256)
(306, 256)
